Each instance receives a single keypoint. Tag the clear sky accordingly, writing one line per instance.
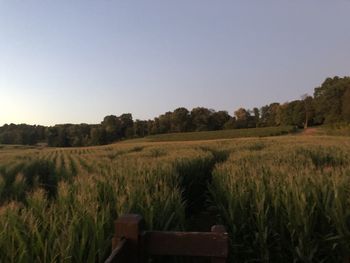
(73, 61)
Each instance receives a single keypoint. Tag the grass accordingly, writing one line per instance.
(222, 134)
(282, 199)
(286, 202)
(335, 130)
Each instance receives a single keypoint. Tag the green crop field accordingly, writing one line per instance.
(221, 134)
(282, 199)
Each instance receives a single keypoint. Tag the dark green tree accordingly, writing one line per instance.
(140, 128)
(230, 124)
(308, 110)
(293, 113)
(52, 136)
(242, 118)
(112, 127)
(219, 119)
(180, 120)
(165, 122)
(270, 115)
(328, 100)
(346, 105)
(201, 119)
(153, 126)
(98, 135)
(126, 125)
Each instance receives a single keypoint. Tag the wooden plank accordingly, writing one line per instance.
(130, 227)
(219, 230)
(130, 244)
(210, 244)
(119, 254)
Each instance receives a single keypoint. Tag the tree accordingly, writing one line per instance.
(242, 118)
(126, 125)
(269, 115)
(230, 124)
(201, 119)
(63, 138)
(256, 113)
(285, 113)
(219, 119)
(22, 134)
(292, 113)
(180, 120)
(346, 105)
(153, 126)
(298, 113)
(242, 114)
(308, 109)
(98, 135)
(52, 136)
(141, 128)
(328, 100)
(112, 127)
(165, 122)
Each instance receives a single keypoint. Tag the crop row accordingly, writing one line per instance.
(281, 199)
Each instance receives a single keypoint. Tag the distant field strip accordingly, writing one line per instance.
(222, 134)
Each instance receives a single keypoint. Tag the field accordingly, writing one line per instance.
(335, 130)
(282, 199)
(221, 134)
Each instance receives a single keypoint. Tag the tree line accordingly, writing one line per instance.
(329, 104)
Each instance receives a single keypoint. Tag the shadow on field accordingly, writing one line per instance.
(196, 175)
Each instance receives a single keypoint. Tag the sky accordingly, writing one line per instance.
(76, 61)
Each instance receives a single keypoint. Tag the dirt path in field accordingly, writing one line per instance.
(309, 131)
(203, 215)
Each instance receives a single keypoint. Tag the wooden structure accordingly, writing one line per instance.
(133, 245)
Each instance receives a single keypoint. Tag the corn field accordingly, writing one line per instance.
(282, 199)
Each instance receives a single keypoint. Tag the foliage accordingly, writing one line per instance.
(329, 100)
(286, 202)
(329, 105)
(21, 134)
(281, 198)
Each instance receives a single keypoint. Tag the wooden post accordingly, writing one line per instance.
(133, 245)
(220, 230)
(119, 254)
(130, 227)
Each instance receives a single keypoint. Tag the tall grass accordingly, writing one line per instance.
(286, 203)
(63, 210)
(284, 199)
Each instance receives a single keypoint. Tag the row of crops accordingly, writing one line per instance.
(282, 199)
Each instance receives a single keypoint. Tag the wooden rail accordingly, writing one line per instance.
(131, 244)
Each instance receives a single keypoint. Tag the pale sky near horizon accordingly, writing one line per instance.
(79, 60)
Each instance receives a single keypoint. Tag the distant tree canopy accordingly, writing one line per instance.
(331, 100)
(329, 104)
(22, 134)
